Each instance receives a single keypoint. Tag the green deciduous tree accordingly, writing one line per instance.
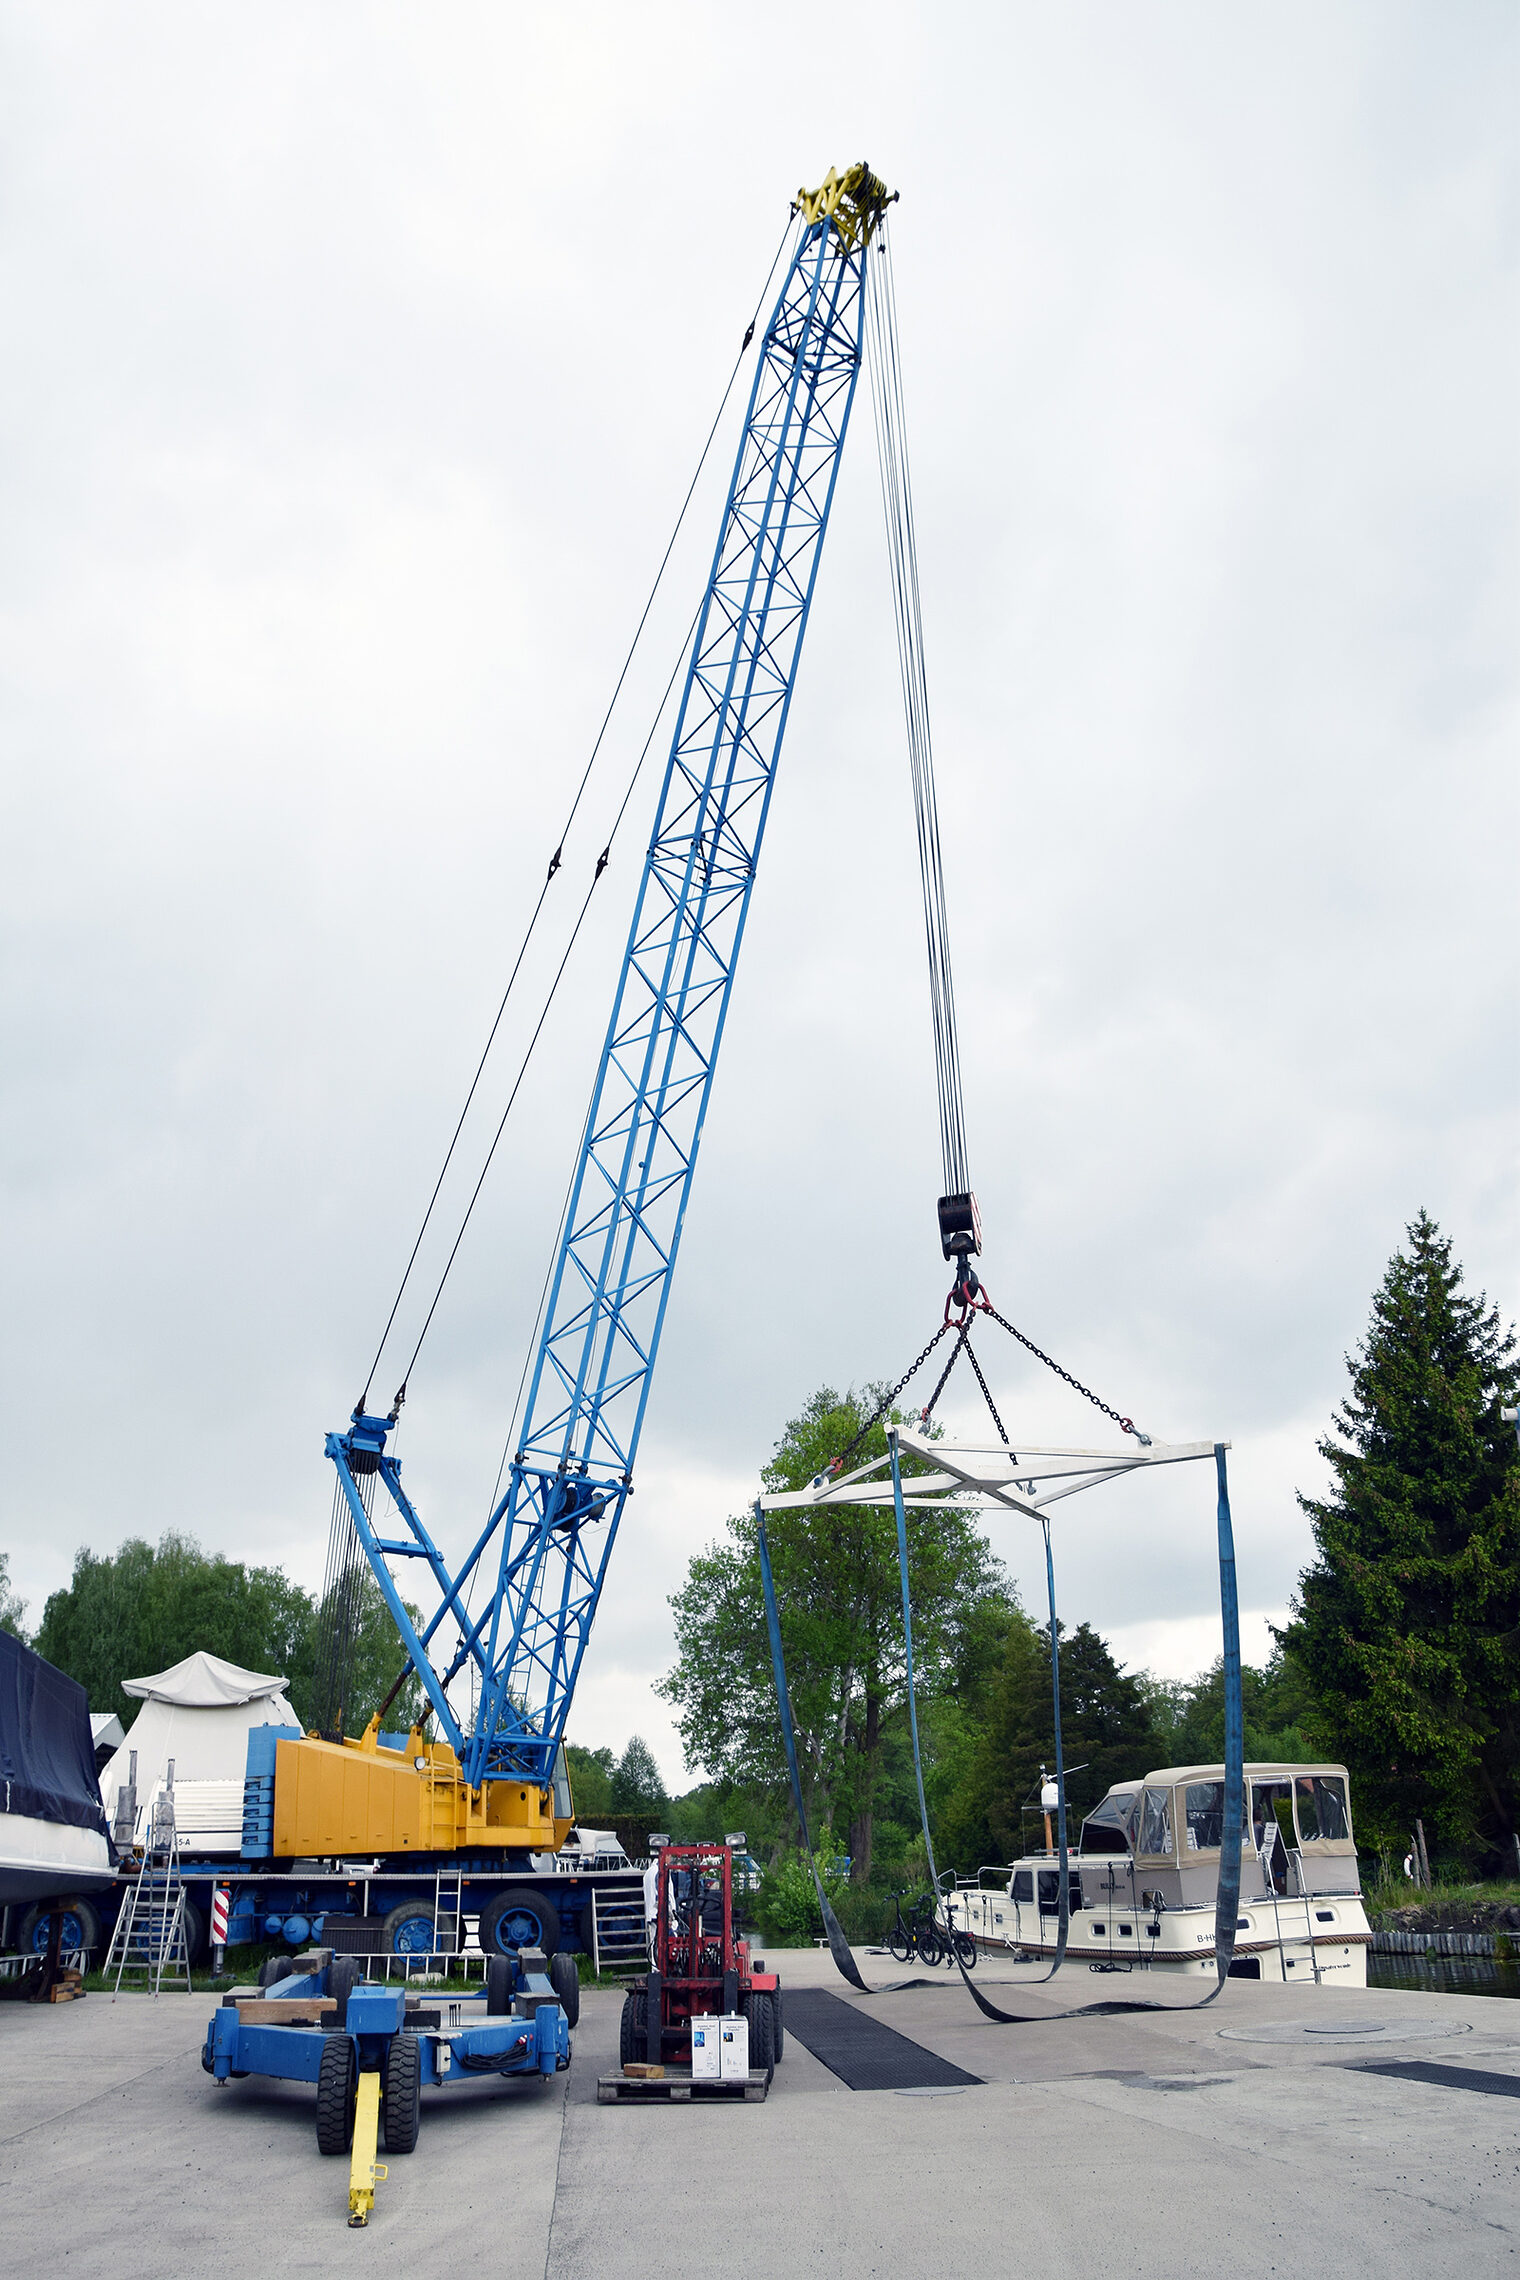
(137, 1610)
(1407, 1625)
(1106, 1730)
(1187, 1715)
(837, 1588)
(12, 1609)
(590, 1783)
(142, 1608)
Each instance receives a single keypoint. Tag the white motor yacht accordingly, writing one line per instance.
(1145, 1872)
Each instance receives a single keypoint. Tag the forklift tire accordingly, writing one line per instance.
(337, 2089)
(631, 2029)
(762, 2045)
(778, 2026)
(401, 2105)
(498, 1987)
(565, 1979)
(519, 1918)
(343, 1976)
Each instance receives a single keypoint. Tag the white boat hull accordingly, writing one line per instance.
(42, 1860)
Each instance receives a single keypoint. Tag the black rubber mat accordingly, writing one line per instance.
(861, 2051)
(1421, 2070)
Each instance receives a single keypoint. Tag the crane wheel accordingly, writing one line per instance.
(519, 1918)
(402, 2108)
(565, 1979)
(337, 2089)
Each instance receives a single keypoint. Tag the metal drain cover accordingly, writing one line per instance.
(1348, 2030)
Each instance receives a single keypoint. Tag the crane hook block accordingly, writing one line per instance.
(960, 1226)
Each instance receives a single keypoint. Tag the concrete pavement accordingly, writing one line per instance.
(1176, 2143)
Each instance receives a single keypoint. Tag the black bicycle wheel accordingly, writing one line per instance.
(897, 1941)
(965, 1948)
(927, 1940)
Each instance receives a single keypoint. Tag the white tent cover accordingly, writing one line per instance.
(205, 1682)
(199, 1713)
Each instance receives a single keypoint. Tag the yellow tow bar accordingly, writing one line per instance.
(365, 2172)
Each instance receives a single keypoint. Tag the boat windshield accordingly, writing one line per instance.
(1321, 1802)
(1106, 1829)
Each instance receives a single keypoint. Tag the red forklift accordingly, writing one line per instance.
(702, 1968)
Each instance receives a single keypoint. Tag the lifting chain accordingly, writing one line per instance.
(1125, 1424)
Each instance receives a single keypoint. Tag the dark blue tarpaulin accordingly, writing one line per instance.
(47, 1758)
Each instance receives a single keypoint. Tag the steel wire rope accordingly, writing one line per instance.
(890, 414)
(555, 859)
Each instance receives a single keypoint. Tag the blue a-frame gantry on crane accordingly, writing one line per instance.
(543, 1553)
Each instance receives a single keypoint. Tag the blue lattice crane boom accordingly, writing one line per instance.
(542, 1556)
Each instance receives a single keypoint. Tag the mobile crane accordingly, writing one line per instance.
(483, 1802)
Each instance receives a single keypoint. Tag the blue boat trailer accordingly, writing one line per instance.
(370, 2048)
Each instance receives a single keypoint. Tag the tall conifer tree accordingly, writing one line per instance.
(1407, 1626)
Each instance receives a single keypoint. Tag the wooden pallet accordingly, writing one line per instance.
(674, 2085)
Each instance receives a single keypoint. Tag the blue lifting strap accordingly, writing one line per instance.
(1227, 1899)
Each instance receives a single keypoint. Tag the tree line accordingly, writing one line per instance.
(144, 1607)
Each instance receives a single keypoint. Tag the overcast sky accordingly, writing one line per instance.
(357, 359)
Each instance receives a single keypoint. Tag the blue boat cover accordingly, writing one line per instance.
(47, 1758)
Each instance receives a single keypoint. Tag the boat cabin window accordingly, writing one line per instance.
(1272, 1808)
(1023, 1884)
(1049, 1881)
(1204, 1808)
(1155, 1821)
(1321, 1802)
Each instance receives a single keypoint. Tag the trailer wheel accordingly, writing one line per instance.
(343, 1976)
(337, 2089)
(519, 1918)
(272, 1968)
(565, 1979)
(402, 2106)
(632, 2026)
(498, 1987)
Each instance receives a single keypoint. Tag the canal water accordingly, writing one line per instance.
(1444, 1974)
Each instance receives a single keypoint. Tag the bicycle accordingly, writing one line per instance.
(955, 1941)
(917, 1937)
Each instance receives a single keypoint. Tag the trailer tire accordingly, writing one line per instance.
(498, 1987)
(402, 2096)
(519, 1918)
(632, 2025)
(337, 2090)
(343, 1976)
(86, 1922)
(565, 1979)
(272, 1968)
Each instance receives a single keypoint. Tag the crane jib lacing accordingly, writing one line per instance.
(542, 1555)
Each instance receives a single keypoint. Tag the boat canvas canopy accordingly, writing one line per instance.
(47, 1755)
